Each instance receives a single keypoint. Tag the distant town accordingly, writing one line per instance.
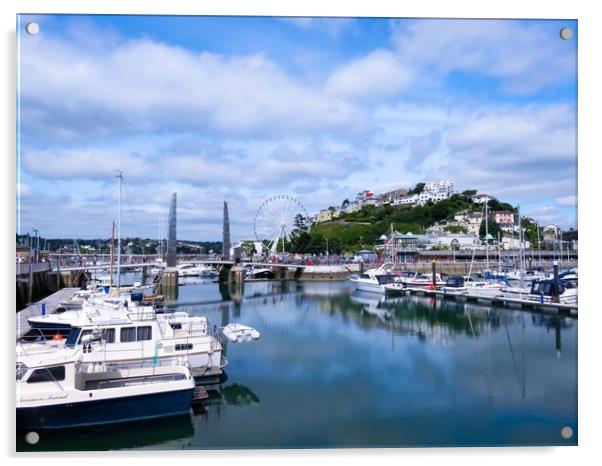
(430, 216)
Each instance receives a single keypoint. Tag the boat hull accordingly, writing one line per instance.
(105, 411)
(369, 287)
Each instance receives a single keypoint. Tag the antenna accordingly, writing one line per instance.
(119, 175)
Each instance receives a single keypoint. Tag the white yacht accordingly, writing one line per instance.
(59, 391)
(485, 289)
(372, 283)
(143, 336)
(374, 280)
(193, 270)
(420, 280)
(546, 291)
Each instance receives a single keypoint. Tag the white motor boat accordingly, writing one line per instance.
(259, 273)
(59, 391)
(420, 280)
(372, 282)
(193, 270)
(546, 291)
(485, 289)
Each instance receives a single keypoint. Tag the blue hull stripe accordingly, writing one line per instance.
(111, 411)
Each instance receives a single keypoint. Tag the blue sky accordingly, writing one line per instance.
(238, 109)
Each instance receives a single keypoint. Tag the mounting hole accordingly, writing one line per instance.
(32, 437)
(566, 33)
(566, 432)
(32, 28)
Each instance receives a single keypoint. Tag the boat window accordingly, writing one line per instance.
(108, 335)
(73, 337)
(47, 374)
(128, 334)
(184, 346)
(21, 370)
(176, 326)
(83, 334)
(144, 333)
(385, 279)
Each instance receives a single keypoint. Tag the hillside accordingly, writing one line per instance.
(362, 229)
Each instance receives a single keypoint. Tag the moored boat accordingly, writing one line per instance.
(60, 392)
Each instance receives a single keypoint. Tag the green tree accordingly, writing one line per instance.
(456, 229)
(248, 248)
(300, 243)
(417, 189)
(301, 222)
(493, 227)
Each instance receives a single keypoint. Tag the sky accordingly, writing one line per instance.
(239, 109)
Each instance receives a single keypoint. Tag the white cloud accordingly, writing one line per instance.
(567, 201)
(526, 57)
(240, 127)
(143, 85)
(332, 26)
(377, 75)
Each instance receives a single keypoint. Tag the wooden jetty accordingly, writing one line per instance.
(35, 309)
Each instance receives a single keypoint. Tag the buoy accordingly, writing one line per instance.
(57, 336)
(431, 287)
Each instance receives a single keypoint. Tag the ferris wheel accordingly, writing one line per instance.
(277, 220)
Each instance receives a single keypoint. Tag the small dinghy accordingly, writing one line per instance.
(238, 333)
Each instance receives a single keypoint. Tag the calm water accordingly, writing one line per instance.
(335, 368)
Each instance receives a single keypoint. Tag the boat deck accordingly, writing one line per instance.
(35, 309)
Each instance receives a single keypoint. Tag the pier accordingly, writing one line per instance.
(527, 304)
(35, 309)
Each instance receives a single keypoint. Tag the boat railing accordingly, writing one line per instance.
(116, 366)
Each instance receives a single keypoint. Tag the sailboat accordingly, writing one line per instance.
(484, 288)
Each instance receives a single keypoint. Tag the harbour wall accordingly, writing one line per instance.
(42, 281)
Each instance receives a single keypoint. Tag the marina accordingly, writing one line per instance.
(258, 232)
(389, 371)
(153, 340)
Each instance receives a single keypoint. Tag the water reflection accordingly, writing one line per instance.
(336, 368)
(175, 432)
(437, 320)
(233, 394)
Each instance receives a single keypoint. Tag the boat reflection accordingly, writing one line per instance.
(114, 437)
(232, 395)
(439, 321)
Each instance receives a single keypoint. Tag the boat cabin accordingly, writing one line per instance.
(550, 287)
(455, 281)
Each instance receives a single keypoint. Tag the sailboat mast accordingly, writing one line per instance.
(487, 231)
(112, 250)
(521, 251)
(538, 244)
(120, 176)
(499, 253)
(160, 239)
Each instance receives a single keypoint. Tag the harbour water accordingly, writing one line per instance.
(338, 368)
